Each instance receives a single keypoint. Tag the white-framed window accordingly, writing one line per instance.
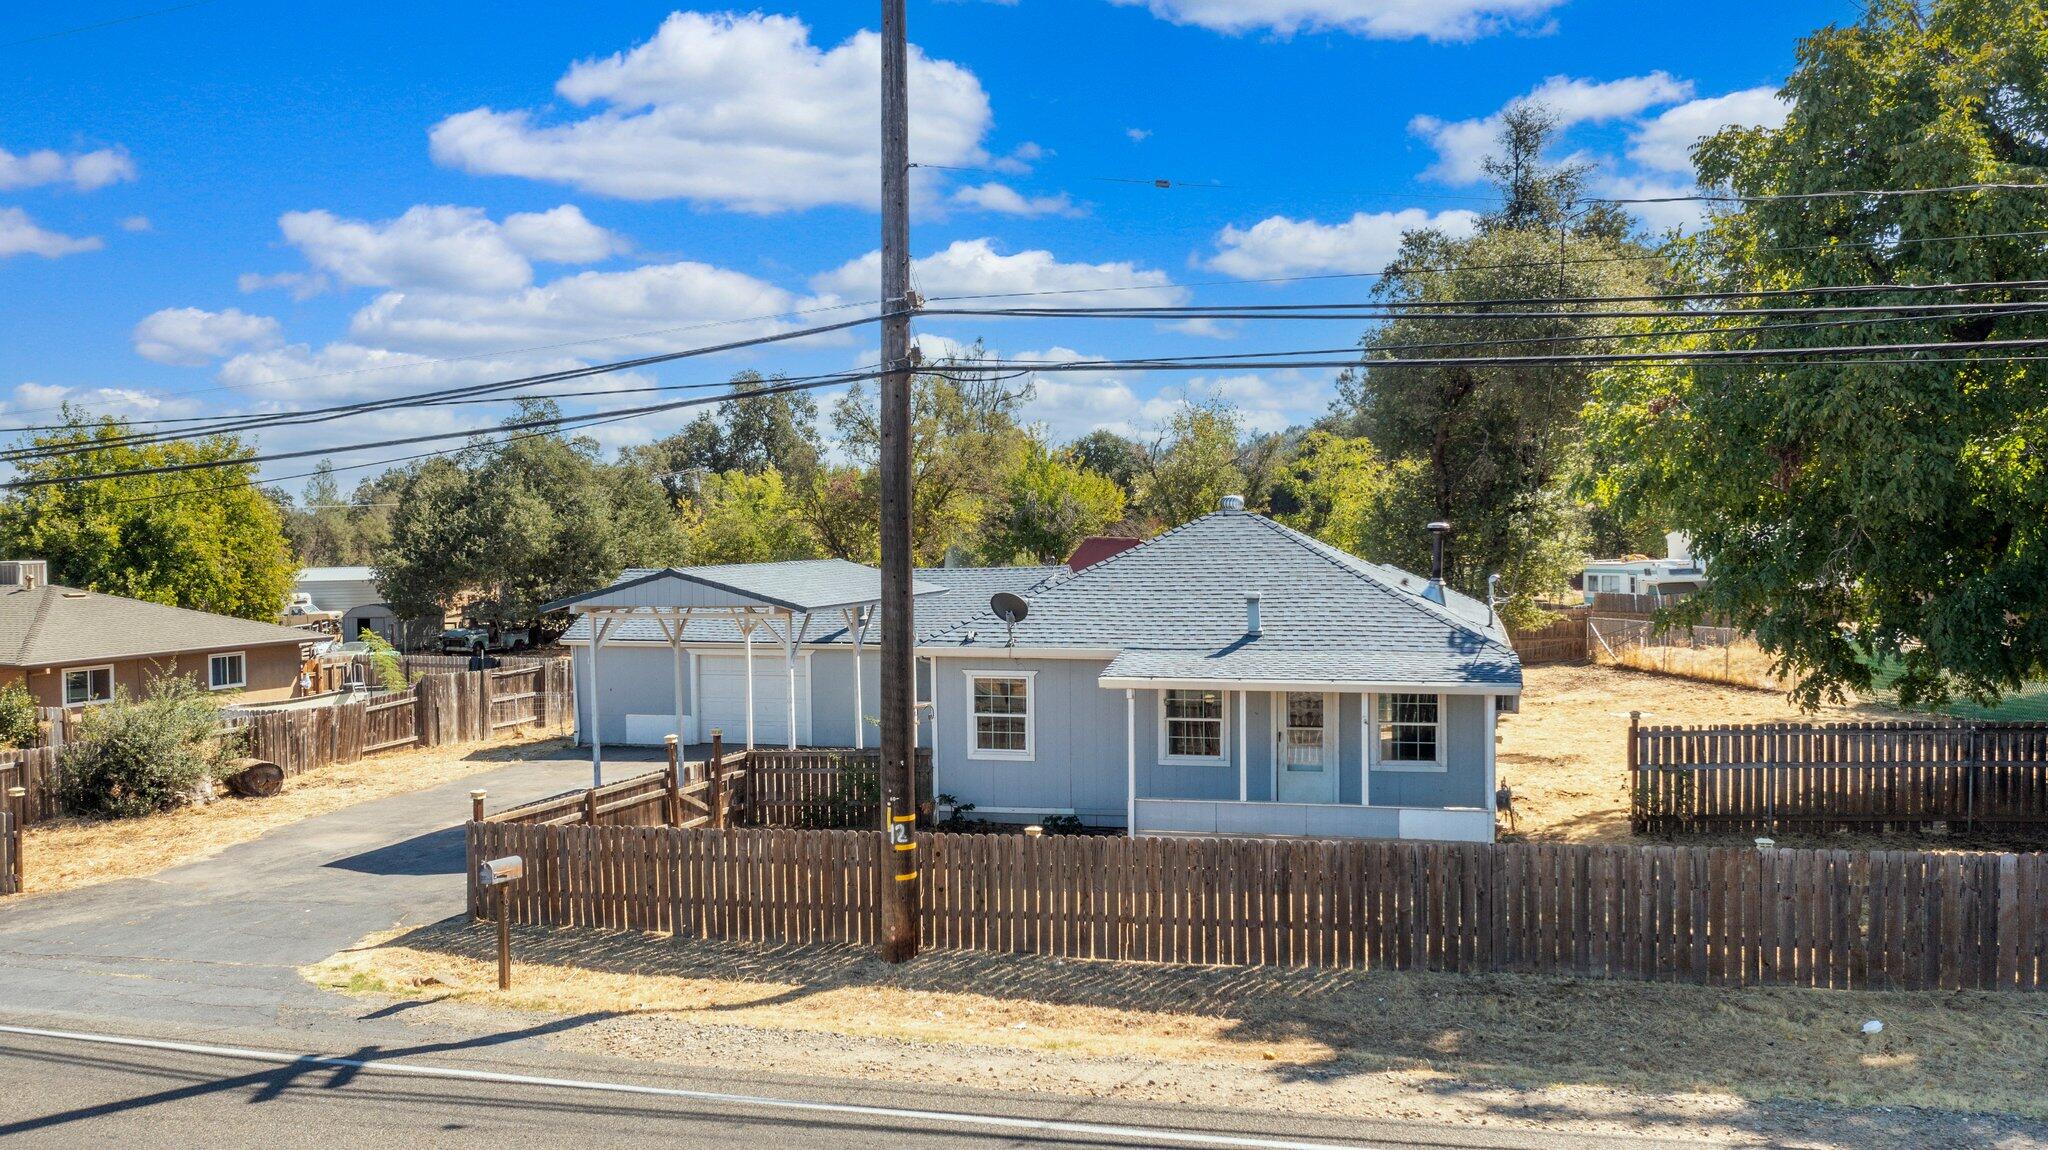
(1410, 734)
(1192, 726)
(999, 714)
(84, 685)
(227, 670)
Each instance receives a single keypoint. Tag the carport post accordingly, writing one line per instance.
(597, 634)
(790, 639)
(747, 633)
(854, 629)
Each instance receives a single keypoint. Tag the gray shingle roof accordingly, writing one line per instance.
(966, 592)
(1175, 605)
(60, 626)
(797, 584)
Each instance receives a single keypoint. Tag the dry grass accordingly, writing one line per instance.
(1414, 1032)
(1566, 753)
(1736, 664)
(66, 854)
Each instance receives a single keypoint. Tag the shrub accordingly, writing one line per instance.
(18, 727)
(140, 756)
(384, 661)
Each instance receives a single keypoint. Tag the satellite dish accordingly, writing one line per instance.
(1011, 609)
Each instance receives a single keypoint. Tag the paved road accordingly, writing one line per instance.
(90, 1094)
(218, 942)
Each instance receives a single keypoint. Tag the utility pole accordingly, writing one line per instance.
(899, 669)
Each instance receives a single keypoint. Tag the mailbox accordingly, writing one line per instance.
(498, 872)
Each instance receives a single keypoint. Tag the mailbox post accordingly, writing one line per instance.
(499, 874)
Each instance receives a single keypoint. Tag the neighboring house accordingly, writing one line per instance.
(75, 647)
(1667, 580)
(637, 685)
(1231, 676)
(352, 593)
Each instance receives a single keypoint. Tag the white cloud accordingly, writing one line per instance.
(1684, 214)
(21, 235)
(444, 247)
(1367, 242)
(975, 267)
(561, 235)
(1138, 135)
(597, 310)
(1002, 198)
(135, 224)
(344, 369)
(191, 336)
(84, 171)
(302, 285)
(1378, 19)
(739, 111)
(1666, 142)
(1463, 145)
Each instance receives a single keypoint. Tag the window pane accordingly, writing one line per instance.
(1001, 707)
(1304, 710)
(1194, 705)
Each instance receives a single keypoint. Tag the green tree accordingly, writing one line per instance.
(1119, 457)
(1048, 504)
(1895, 507)
(742, 518)
(840, 506)
(18, 725)
(508, 525)
(764, 430)
(327, 528)
(1494, 446)
(208, 540)
(1330, 480)
(1193, 466)
(964, 438)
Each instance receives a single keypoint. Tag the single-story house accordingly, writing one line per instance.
(352, 593)
(1230, 676)
(637, 688)
(73, 647)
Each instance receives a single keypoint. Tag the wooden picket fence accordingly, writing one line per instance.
(10, 853)
(1834, 776)
(811, 787)
(1562, 640)
(33, 769)
(439, 710)
(1718, 916)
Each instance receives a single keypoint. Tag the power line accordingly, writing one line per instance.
(103, 24)
(557, 421)
(1575, 261)
(1843, 193)
(1348, 316)
(233, 423)
(1761, 355)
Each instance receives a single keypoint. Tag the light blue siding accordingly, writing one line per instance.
(631, 681)
(1462, 782)
(1077, 761)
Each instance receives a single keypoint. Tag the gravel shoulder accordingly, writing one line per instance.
(1731, 1066)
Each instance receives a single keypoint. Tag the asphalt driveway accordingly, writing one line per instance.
(219, 941)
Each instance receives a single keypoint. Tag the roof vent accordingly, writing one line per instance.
(1231, 503)
(1439, 531)
(1251, 614)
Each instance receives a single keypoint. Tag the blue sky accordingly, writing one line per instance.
(235, 206)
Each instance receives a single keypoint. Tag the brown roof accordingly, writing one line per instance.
(53, 626)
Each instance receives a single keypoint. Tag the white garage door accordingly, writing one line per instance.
(722, 699)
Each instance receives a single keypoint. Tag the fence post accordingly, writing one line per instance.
(16, 830)
(717, 778)
(590, 807)
(1639, 820)
(489, 718)
(476, 806)
(672, 810)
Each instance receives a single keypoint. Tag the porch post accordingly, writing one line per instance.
(1130, 762)
(747, 634)
(1244, 768)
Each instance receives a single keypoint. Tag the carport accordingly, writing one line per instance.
(780, 598)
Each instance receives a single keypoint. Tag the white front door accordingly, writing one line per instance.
(722, 698)
(1305, 756)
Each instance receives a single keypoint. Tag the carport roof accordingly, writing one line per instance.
(801, 586)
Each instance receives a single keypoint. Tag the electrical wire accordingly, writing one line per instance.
(554, 422)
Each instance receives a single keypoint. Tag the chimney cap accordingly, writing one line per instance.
(1231, 503)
